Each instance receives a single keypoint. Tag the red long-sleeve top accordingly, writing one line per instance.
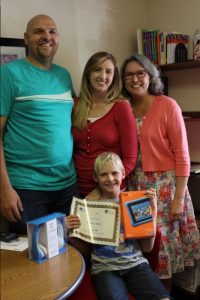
(114, 132)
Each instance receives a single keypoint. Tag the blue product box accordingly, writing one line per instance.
(46, 237)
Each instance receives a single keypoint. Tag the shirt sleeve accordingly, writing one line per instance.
(72, 89)
(128, 135)
(7, 91)
(178, 140)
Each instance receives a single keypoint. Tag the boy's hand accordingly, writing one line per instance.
(151, 194)
(72, 222)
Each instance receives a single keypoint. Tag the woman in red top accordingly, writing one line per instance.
(102, 121)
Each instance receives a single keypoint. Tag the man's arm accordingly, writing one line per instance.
(11, 205)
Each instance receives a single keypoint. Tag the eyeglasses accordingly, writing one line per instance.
(138, 74)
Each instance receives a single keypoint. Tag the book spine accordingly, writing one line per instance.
(156, 47)
(159, 48)
(162, 48)
(168, 48)
(139, 41)
(154, 37)
(196, 45)
(174, 42)
(149, 46)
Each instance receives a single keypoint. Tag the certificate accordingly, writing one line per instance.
(100, 221)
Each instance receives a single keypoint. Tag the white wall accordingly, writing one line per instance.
(175, 15)
(85, 27)
(88, 26)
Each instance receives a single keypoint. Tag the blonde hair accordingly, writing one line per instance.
(84, 104)
(106, 158)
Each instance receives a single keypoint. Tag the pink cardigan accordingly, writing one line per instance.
(163, 138)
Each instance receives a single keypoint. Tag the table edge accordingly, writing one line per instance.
(77, 282)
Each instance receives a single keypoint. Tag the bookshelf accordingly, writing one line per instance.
(189, 280)
(187, 65)
(190, 64)
(162, 47)
(163, 40)
(194, 115)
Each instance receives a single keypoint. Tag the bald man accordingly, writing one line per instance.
(37, 170)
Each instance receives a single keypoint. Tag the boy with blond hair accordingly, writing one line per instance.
(118, 271)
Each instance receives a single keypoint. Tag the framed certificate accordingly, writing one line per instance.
(100, 221)
(12, 49)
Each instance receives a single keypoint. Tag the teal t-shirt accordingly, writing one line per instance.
(37, 141)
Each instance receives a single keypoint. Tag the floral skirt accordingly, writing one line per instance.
(180, 241)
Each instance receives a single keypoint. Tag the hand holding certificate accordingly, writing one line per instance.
(100, 221)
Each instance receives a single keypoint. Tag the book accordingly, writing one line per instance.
(169, 48)
(136, 215)
(139, 41)
(173, 40)
(148, 42)
(154, 38)
(163, 48)
(196, 45)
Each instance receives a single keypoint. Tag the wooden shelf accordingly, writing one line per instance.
(191, 114)
(190, 64)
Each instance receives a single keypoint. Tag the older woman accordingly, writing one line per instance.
(163, 164)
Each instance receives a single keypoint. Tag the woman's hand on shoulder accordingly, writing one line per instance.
(94, 195)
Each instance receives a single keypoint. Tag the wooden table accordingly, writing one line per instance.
(56, 278)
